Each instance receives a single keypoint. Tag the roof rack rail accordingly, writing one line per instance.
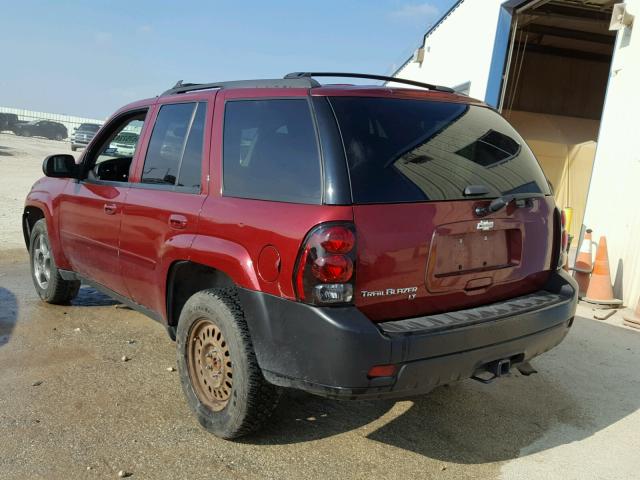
(430, 86)
(302, 82)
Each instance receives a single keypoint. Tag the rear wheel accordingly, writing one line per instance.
(51, 287)
(219, 372)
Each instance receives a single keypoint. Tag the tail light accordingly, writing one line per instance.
(324, 273)
(564, 240)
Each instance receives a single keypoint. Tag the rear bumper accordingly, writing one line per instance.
(328, 351)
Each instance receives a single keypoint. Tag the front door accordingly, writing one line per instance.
(91, 208)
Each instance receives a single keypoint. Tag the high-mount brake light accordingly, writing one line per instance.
(324, 272)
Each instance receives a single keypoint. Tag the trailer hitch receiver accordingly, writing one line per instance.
(494, 369)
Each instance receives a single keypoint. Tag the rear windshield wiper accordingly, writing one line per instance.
(501, 202)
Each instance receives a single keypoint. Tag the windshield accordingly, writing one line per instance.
(402, 150)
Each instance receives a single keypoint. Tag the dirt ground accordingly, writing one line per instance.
(20, 165)
(70, 408)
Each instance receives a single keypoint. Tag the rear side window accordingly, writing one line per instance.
(270, 151)
(401, 150)
(174, 156)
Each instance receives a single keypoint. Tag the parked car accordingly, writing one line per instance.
(8, 121)
(355, 242)
(83, 135)
(42, 128)
(124, 144)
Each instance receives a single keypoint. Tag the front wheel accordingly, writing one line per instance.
(51, 287)
(219, 372)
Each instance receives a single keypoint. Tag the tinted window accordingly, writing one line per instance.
(416, 150)
(490, 149)
(270, 151)
(167, 143)
(191, 166)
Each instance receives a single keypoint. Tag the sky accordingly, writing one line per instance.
(90, 58)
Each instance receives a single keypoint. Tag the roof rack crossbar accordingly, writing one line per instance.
(430, 86)
(302, 82)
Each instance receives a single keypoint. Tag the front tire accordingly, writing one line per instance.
(218, 369)
(51, 287)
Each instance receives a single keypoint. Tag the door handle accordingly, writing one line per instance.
(110, 208)
(179, 222)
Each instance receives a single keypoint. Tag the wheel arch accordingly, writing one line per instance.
(30, 215)
(185, 278)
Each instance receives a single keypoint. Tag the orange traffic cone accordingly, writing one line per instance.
(600, 290)
(633, 319)
(583, 266)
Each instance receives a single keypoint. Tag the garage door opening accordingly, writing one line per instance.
(554, 89)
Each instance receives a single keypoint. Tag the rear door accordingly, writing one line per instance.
(422, 248)
(160, 217)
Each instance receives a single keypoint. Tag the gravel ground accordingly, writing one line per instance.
(70, 408)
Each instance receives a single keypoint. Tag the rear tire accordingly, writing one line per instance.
(51, 287)
(218, 369)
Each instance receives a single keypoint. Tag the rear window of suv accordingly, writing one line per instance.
(401, 150)
(270, 151)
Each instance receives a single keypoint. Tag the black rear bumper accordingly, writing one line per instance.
(329, 351)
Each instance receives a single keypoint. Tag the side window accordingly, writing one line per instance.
(112, 158)
(174, 156)
(191, 168)
(270, 151)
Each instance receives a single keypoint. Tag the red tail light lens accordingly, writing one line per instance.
(324, 271)
(334, 268)
(565, 234)
(337, 239)
(382, 371)
(564, 240)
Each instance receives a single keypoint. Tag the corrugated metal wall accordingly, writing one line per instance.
(612, 204)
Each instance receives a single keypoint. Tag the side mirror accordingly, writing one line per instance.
(61, 165)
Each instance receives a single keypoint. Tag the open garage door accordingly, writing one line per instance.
(554, 88)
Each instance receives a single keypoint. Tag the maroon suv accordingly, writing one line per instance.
(351, 241)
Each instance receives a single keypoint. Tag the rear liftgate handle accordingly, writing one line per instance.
(178, 222)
